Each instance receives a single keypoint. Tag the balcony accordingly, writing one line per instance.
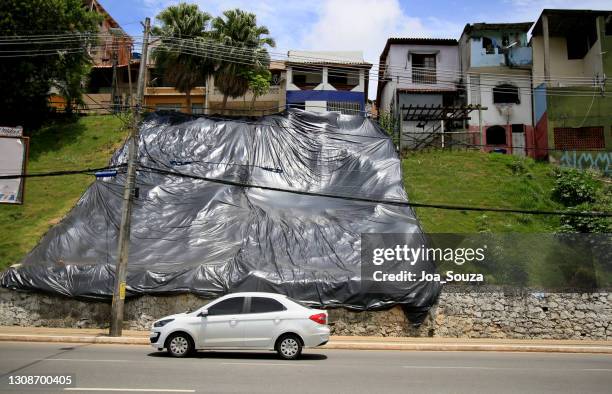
(170, 91)
(275, 93)
(422, 75)
(520, 56)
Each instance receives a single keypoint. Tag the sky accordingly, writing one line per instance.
(348, 25)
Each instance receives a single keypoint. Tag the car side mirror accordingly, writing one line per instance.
(203, 313)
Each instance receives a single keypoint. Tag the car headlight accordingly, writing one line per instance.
(162, 323)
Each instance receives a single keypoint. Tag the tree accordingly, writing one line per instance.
(26, 81)
(241, 38)
(70, 82)
(259, 84)
(174, 58)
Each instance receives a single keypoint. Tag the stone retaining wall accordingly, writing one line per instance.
(492, 314)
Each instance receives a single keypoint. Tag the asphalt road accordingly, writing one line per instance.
(130, 368)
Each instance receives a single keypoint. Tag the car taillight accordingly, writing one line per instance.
(320, 318)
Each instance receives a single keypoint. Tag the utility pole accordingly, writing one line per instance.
(114, 83)
(128, 197)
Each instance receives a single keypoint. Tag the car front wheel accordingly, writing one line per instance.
(180, 345)
(289, 347)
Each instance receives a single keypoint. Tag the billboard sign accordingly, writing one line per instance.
(13, 159)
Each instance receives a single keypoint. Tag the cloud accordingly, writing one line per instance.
(525, 10)
(365, 25)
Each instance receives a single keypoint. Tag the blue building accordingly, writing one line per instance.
(327, 81)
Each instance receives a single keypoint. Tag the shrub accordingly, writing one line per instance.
(574, 187)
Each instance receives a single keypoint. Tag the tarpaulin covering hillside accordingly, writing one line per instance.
(208, 238)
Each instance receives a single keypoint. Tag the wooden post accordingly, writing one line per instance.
(117, 307)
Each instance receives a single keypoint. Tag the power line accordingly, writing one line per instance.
(86, 171)
(380, 201)
(197, 44)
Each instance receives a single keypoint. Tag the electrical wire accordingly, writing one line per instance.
(381, 201)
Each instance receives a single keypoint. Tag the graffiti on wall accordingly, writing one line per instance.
(601, 161)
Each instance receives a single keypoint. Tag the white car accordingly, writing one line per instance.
(243, 321)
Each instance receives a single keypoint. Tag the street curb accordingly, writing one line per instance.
(345, 345)
(74, 339)
(467, 347)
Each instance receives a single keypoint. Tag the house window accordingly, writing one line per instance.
(579, 138)
(344, 107)
(506, 94)
(579, 42)
(487, 45)
(307, 79)
(343, 79)
(423, 68)
(496, 135)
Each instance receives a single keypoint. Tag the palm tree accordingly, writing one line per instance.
(243, 44)
(174, 57)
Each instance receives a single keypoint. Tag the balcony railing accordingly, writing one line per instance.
(274, 90)
(424, 76)
(170, 91)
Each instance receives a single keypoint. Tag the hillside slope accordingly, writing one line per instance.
(85, 143)
(461, 178)
(479, 179)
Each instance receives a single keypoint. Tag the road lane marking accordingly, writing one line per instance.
(85, 359)
(128, 389)
(271, 364)
(505, 368)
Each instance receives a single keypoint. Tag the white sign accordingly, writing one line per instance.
(12, 162)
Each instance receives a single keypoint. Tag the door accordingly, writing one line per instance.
(222, 327)
(262, 322)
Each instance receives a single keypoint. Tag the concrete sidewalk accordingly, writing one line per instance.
(130, 337)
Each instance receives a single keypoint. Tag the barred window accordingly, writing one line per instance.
(579, 138)
(344, 107)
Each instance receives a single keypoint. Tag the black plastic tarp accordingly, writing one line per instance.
(192, 235)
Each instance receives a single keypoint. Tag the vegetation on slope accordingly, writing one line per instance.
(87, 142)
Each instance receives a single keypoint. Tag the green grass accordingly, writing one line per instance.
(63, 145)
(479, 179)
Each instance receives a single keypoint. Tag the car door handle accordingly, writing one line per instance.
(233, 322)
(277, 320)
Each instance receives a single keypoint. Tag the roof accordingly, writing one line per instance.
(94, 5)
(416, 41)
(277, 65)
(561, 21)
(353, 58)
(521, 26)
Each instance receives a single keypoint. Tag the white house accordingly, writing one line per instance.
(496, 65)
(322, 81)
(418, 72)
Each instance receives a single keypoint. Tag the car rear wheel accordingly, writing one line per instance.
(289, 347)
(180, 345)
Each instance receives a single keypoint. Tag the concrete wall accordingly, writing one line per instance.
(400, 63)
(560, 65)
(480, 91)
(486, 314)
(520, 54)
